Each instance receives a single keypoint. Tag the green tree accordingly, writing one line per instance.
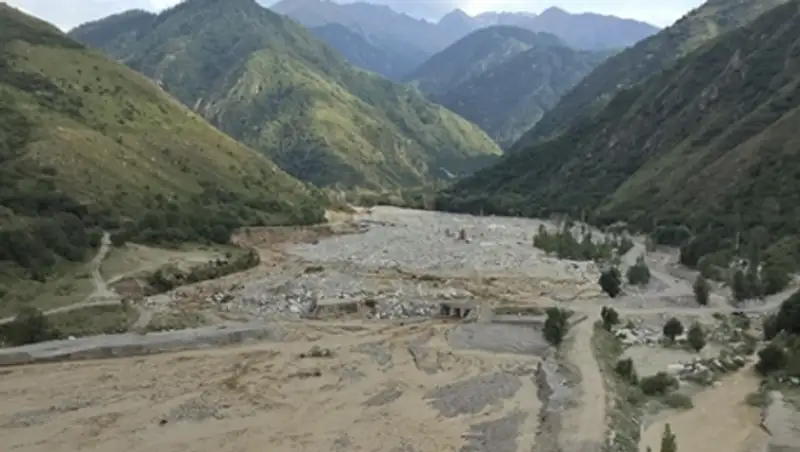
(672, 329)
(775, 275)
(696, 337)
(627, 370)
(739, 286)
(668, 440)
(611, 282)
(639, 273)
(610, 317)
(770, 359)
(770, 327)
(788, 317)
(701, 290)
(28, 327)
(555, 326)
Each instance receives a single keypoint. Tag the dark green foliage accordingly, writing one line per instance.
(771, 359)
(610, 317)
(788, 317)
(770, 327)
(627, 370)
(565, 245)
(28, 327)
(672, 329)
(776, 274)
(611, 282)
(556, 326)
(658, 384)
(168, 278)
(639, 273)
(740, 287)
(642, 61)
(713, 153)
(702, 290)
(696, 337)
(671, 235)
(669, 442)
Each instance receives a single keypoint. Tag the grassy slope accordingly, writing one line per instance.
(474, 54)
(637, 63)
(704, 143)
(270, 83)
(509, 99)
(86, 143)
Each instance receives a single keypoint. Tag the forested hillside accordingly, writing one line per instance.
(709, 143)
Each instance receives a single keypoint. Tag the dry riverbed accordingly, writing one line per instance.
(354, 356)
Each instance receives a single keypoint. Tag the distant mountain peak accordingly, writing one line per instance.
(554, 11)
(456, 14)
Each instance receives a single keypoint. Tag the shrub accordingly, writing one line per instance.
(611, 282)
(696, 337)
(658, 384)
(770, 327)
(639, 273)
(788, 318)
(672, 329)
(28, 327)
(701, 290)
(678, 401)
(627, 370)
(770, 359)
(556, 326)
(668, 441)
(610, 317)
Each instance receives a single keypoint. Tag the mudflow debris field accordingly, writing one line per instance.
(348, 352)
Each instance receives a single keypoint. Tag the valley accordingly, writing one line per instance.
(324, 226)
(349, 336)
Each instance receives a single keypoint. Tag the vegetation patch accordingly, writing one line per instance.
(624, 397)
(31, 325)
(176, 320)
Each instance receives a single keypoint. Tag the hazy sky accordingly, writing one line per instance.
(68, 13)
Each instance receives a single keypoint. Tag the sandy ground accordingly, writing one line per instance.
(720, 421)
(430, 386)
(384, 388)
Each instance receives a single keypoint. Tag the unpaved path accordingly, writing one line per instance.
(720, 421)
(102, 295)
(584, 425)
(101, 289)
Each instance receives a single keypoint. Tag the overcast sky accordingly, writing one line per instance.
(68, 13)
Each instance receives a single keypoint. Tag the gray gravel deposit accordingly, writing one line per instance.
(427, 242)
(473, 394)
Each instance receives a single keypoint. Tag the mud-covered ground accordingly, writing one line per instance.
(391, 378)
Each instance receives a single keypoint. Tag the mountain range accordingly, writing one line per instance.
(643, 60)
(268, 82)
(503, 78)
(708, 142)
(420, 39)
(88, 144)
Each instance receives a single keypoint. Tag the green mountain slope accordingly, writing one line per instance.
(118, 32)
(473, 55)
(87, 144)
(643, 60)
(268, 82)
(507, 100)
(369, 53)
(709, 143)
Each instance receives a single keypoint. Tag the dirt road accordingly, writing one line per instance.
(584, 426)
